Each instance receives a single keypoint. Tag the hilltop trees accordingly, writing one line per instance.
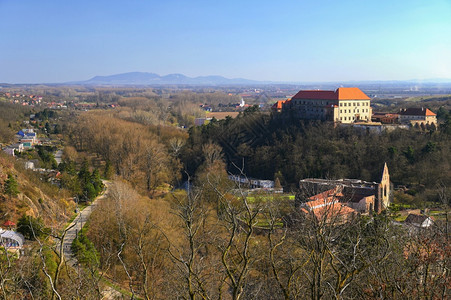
(296, 149)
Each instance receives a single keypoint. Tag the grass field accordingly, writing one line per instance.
(265, 197)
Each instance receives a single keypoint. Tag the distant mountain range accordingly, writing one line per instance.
(144, 78)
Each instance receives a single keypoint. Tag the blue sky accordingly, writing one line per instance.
(323, 40)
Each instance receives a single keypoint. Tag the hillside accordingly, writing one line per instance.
(34, 198)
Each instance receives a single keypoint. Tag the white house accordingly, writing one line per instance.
(11, 240)
(419, 220)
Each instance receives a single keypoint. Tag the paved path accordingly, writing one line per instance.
(77, 225)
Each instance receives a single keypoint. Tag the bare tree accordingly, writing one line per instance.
(237, 249)
(190, 256)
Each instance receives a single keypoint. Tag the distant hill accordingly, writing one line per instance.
(144, 78)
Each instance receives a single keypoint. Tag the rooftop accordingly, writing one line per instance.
(416, 111)
(339, 94)
(329, 210)
(278, 104)
(416, 219)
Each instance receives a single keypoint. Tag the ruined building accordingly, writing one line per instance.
(346, 196)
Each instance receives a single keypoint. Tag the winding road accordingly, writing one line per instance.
(77, 225)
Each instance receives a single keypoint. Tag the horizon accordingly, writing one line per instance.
(309, 42)
(258, 82)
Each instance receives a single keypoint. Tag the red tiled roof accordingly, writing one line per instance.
(315, 204)
(333, 210)
(278, 104)
(323, 95)
(351, 94)
(327, 198)
(325, 195)
(9, 223)
(339, 94)
(327, 204)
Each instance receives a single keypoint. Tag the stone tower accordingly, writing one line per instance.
(384, 190)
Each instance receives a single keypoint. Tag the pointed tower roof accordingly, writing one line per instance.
(385, 174)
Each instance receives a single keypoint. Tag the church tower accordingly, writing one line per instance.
(384, 189)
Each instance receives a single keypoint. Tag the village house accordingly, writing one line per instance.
(385, 118)
(360, 196)
(420, 116)
(9, 151)
(28, 138)
(252, 182)
(277, 107)
(11, 240)
(344, 105)
(420, 221)
(13, 148)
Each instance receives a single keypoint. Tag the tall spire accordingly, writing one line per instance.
(385, 174)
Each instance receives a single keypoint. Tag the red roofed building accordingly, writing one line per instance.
(345, 105)
(360, 196)
(277, 107)
(417, 115)
(385, 118)
(326, 206)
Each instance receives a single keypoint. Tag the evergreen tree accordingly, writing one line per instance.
(57, 129)
(11, 186)
(89, 191)
(84, 175)
(47, 127)
(96, 181)
(32, 228)
(108, 172)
